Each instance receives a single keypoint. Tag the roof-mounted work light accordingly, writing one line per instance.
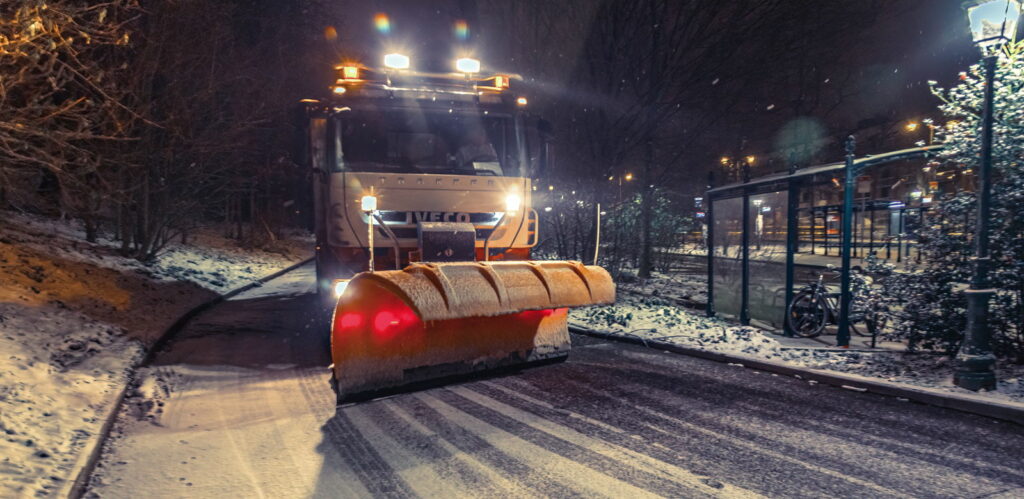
(396, 61)
(350, 72)
(468, 65)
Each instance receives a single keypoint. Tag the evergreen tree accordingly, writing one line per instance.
(928, 303)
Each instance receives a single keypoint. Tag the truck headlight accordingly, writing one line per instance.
(512, 203)
(368, 203)
(339, 287)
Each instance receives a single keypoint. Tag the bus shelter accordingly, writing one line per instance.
(766, 236)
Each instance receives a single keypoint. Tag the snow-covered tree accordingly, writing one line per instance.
(930, 307)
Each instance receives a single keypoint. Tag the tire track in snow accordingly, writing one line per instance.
(426, 478)
(337, 477)
(779, 418)
(881, 433)
(599, 454)
(428, 447)
(540, 481)
(578, 476)
(258, 436)
(355, 450)
(666, 460)
(227, 434)
(671, 426)
(292, 422)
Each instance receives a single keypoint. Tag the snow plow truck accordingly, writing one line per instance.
(424, 228)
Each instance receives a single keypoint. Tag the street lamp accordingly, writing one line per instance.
(738, 167)
(993, 22)
(627, 177)
(913, 126)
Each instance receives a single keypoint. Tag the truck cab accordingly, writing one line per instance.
(410, 166)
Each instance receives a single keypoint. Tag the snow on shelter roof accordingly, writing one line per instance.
(737, 189)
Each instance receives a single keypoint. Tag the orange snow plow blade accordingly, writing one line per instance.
(402, 328)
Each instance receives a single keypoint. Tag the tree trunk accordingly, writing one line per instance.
(91, 228)
(646, 213)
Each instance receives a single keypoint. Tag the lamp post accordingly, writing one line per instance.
(628, 177)
(993, 22)
(737, 167)
(912, 127)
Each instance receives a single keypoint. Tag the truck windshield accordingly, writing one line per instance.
(419, 141)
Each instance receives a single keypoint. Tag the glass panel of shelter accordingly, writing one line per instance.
(727, 253)
(767, 257)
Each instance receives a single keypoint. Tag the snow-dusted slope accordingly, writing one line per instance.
(74, 317)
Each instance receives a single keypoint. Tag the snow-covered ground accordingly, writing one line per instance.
(75, 317)
(674, 286)
(654, 318)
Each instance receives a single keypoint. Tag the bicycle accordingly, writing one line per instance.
(816, 306)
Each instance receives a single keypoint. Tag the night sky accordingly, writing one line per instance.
(886, 67)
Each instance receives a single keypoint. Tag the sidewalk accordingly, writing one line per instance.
(827, 341)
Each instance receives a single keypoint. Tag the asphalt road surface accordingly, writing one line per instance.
(239, 406)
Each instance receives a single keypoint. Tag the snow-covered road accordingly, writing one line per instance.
(239, 406)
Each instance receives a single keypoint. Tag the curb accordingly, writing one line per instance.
(75, 489)
(964, 403)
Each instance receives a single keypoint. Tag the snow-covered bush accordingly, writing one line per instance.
(567, 228)
(928, 303)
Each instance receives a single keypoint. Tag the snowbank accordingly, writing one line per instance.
(655, 318)
(75, 317)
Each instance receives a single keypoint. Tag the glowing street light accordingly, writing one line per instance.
(913, 126)
(628, 177)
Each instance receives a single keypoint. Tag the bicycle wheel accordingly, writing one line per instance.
(807, 314)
